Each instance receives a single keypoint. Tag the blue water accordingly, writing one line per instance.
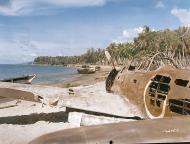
(45, 74)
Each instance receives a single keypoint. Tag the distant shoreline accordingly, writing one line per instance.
(46, 65)
(84, 79)
(73, 65)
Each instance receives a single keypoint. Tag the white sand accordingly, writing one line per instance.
(22, 134)
(93, 97)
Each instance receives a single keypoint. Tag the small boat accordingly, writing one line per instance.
(24, 79)
(86, 70)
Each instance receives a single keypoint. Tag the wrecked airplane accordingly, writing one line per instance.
(159, 93)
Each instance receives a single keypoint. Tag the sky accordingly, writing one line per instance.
(31, 28)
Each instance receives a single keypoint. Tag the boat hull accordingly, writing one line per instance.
(24, 80)
(86, 71)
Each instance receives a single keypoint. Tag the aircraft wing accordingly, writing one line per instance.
(165, 130)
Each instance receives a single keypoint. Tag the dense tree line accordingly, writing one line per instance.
(91, 56)
(174, 43)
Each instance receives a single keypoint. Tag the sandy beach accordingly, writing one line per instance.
(84, 79)
(21, 122)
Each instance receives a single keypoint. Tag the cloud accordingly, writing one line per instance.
(131, 33)
(183, 15)
(160, 4)
(33, 55)
(128, 35)
(26, 7)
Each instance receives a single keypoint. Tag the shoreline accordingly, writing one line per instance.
(83, 79)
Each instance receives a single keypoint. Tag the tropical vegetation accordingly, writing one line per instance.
(173, 43)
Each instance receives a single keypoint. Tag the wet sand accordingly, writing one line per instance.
(84, 79)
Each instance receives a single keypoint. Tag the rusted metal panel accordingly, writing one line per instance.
(19, 94)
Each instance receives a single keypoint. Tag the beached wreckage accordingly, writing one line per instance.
(23, 79)
(85, 69)
(160, 92)
(166, 130)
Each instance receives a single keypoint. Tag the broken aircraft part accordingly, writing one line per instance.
(145, 131)
(19, 94)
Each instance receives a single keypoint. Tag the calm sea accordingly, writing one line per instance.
(45, 74)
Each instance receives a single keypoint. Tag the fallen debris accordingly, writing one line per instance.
(71, 91)
(54, 102)
(3, 107)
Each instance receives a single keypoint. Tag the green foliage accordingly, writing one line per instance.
(175, 43)
(91, 56)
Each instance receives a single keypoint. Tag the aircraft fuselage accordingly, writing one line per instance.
(159, 93)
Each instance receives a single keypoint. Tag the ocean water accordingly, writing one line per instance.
(45, 74)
